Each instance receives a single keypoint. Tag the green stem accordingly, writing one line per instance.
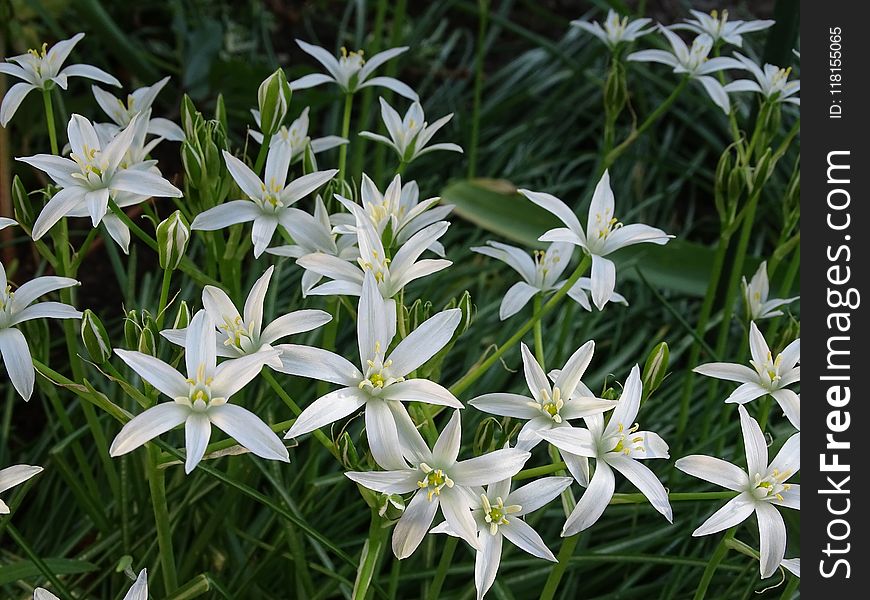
(536, 472)
(38, 562)
(793, 585)
(611, 157)
(480, 51)
(157, 486)
(718, 555)
(475, 373)
(434, 591)
(264, 151)
(164, 297)
(370, 558)
(565, 554)
(538, 333)
(49, 121)
(345, 133)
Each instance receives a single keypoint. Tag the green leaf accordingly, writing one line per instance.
(25, 569)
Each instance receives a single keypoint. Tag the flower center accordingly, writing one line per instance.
(545, 262)
(605, 224)
(39, 53)
(352, 61)
(377, 372)
(379, 267)
(496, 513)
(550, 405)
(615, 27)
(433, 481)
(239, 335)
(625, 443)
(768, 371)
(270, 197)
(199, 396)
(6, 297)
(772, 486)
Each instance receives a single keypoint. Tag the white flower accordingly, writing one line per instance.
(93, 173)
(409, 136)
(315, 234)
(351, 72)
(12, 476)
(391, 275)
(694, 62)
(200, 399)
(550, 406)
(793, 565)
(438, 479)
(41, 69)
(296, 136)
(770, 82)
(716, 27)
(139, 590)
(17, 307)
(617, 445)
(139, 101)
(497, 514)
(398, 208)
(540, 275)
(604, 234)
(760, 490)
(380, 383)
(755, 296)
(769, 375)
(241, 334)
(270, 204)
(7, 222)
(615, 30)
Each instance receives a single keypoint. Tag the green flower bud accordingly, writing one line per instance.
(347, 452)
(132, 329)
(615, 89)
(487, 436)
(147, 344)
(173, 234)
(390, 506)
(273, 99)
(95, 338)
(309, 163)
(182, 317)
(22, 203)
(655, 369)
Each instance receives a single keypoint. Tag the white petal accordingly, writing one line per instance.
(144, 183)
(421, 390)
(489, 468)
(156, 372)
(644, 480)
(595, 499)
(218, 305)
(524, 537)
(508, 405)
(791, 498)
(294, 323)
(199, 347)
(316, 363)
(716, 92)
(224, 215)
(310, 81)
(57, 208)
(536, 379)
(253, 310)
(376, 321)
(378, 59)
(248, 430)
(244, 177)
(424, 342)
(754, 442)
(657, 56)
(382, 435)
(118, 231)
(578, 466)
(728, 372)
(486, 561)
(538, 494)
(572, 439)
(391, 83)
(788, 459)
(746, 393)
(16, 475)
(400, 481)
(793, 565)
(574, 368)
(46, 310)
(791, 406)
(33, 289)
(327, 409)
(413, 525)
(517, 296)
(90, 72)
(262, 232)
(139, 590)
(626, 409)
(734, 512)
(514, 257)
(144, 427)
(772, 533)
(714, 470)
(757, 345)
(603, 280)
(197, 431)
(302, 186)
(457, 512)
(12, 99)
(446, 447)
(634, 234)
(232, 375)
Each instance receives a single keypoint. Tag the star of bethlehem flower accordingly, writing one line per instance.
(242, 333)
(16, 307)
(771, 81)
(755, 295)
(12, 476)
(316, 234)
(540, 275)
(296, 136)
(7, 222)
(619, 445)
(390, 274)
(615, 30)
(793, 565)
(269, 203)
(138, 591)
(351, 72)
(199, 400)
(139, 101)
(93, 173)
(41, 70)
(409, 136)
(694, 62)
(716, 27)
(768, 375)
(604, 234)
(497, 513)
(379, 385)
(551, 406)
(761, 489)
(397, 214)
(438, 479)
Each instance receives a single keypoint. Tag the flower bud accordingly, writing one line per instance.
(347, 453)
(655, 369)
(309, 163)
(22, 203)
(390, 506)
(147, 344)
(182, 317)
(173, 234)
(487, 436)
(615, 89)
(273, 99)
(132, 329)
(95, 338)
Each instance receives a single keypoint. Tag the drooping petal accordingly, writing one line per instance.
(156, 372)
(12, 99)
(603, 280)
(644, 480)
(716, 92)
(595, 499)
(486, 561)
(46, 310)
(421, 390)
(327, 409)
(734, 512)
(413, 525)
(262, 232)
(577, 465)
(457, 512)
(746, 393)
(790, 403)
(517, 296)
(527, 539)
(383, 436)
(249, 431)
(19, 365)
(57, 208)
(714, 470)
(772, 533)
(197, 432)
(90, 72)
(33, 289)
(146, 426)
(16, 475)
(225, 215)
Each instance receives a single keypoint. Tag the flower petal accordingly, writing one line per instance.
(755, 444)
(489, 468)
(232, 375)
(644, 480)
(316, 363)
(603, 280)
(224, 215)
(772, 533)
(790, 403)
(538, 494)
(197, 431)
(156, 372)
(16, 475)
(400, 481)
(421, 390)
(507, 405)
(486, 561)
(517, 296)
(146, 426)
(57, 208)
(413, 525)
(572, 439)
(424, 342)
(592, 503)
(293, 323)
(249, 431)
(734, 512)
(383, 436)
(457, 512)
(244, 177)
(728, 372)
(714, 470)
(327, 409)
(525, 538)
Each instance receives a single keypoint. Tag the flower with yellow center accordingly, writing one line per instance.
(270, 200)
(755, 296)
(438, 479)
(771, 81)
(617, 444)
(616, 30)
(410, 136)
(200, 399)
(717, 28)
(296, 137)
(768, 375)
(121, 112)
(761, 489)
